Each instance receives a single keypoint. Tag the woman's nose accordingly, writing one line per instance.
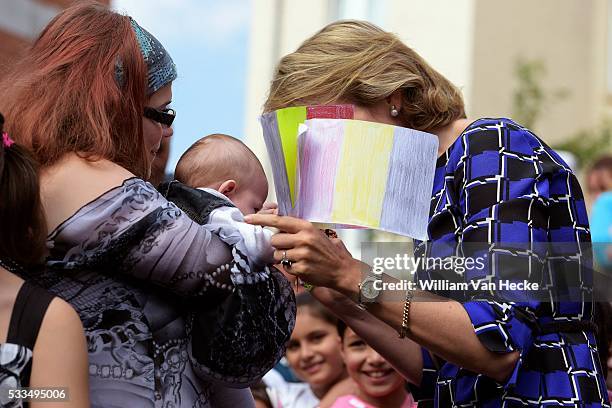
(167, 131)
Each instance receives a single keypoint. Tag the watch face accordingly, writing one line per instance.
(368, 291)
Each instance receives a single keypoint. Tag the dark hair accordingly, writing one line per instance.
(341, 326)
(603, 163)
(305, 299)
(602, 315)
(260, 394)
(23, 232)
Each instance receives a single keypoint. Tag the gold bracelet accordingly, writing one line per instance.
(404, 330)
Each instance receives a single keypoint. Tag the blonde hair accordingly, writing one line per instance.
(357, 62)
(214, 159)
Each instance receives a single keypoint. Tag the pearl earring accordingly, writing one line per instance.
(394, 112)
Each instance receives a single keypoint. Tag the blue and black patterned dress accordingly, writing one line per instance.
(500, 185)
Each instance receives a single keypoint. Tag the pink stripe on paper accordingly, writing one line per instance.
(319, 154)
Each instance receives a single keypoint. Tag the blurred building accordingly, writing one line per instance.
(475, 43)
(20, 23)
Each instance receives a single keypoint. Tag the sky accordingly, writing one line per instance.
(207, 40)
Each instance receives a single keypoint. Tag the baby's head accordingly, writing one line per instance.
(227, 165)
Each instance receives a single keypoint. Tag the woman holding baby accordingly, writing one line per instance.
(495, 183)
(173, 316)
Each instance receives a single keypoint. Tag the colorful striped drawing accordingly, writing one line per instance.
(353, 173)
(280, 129)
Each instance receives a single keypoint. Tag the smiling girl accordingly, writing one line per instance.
(313, 353)
(378, 384)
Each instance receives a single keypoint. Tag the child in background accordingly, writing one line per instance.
(313, 353)
(42, 343)
(378, 384)
(599, 177)
(231, 174)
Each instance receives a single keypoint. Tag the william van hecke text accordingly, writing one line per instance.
(444, 285)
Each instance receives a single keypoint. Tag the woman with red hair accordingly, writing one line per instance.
(173, 316)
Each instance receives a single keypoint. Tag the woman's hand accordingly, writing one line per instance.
(269, 208)
(314, 258)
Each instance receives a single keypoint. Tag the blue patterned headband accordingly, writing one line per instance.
(160, 67)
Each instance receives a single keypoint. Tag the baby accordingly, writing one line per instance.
(227, 169)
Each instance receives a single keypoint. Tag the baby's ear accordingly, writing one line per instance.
(228, 187)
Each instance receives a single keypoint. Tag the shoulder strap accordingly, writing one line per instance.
(28, 312)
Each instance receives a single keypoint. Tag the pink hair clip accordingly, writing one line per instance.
(6, 140)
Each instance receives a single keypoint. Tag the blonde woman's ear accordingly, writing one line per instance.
(395, 101)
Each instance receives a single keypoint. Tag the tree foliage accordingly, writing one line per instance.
(530, 101)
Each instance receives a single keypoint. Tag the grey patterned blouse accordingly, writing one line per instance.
(173, 316)
(13, 361)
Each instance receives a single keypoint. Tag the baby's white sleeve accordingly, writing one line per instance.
(228, 223)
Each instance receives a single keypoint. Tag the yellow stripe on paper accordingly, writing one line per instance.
(288, 120)
(362, 173)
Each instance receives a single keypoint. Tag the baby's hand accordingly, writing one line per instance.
(269, 208)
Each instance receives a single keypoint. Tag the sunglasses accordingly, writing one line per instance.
(165, 116)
